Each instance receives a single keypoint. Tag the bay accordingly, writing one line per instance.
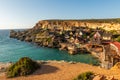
(12, 50)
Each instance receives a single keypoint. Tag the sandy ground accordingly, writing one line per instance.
(63, 71)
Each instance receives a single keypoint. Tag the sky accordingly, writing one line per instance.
(16, 14)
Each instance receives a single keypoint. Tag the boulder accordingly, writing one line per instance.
(116, 66)
(28, 39)
(13, 34)
(99, 77)
(110, 78)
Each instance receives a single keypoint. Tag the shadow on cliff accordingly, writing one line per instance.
(46, 69)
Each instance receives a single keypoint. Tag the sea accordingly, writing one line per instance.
(11, 50)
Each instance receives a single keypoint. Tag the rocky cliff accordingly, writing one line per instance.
(107, 24)
(71, 33)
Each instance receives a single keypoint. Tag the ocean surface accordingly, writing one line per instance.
(12, 50)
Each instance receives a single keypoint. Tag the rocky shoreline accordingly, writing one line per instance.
(70, 35)
(4, 66)
(57, 35)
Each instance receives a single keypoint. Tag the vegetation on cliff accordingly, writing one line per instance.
(23, 67)
(109, 20)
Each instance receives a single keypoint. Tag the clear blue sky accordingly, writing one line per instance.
(25, 13)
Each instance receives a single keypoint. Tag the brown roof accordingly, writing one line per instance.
(97, 35)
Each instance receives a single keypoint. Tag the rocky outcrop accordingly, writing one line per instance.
(102, 77)
(68, 24)
(51, 33)
(26, 35)
(13, 34)
(116, 66)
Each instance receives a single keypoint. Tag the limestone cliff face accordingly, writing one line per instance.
(68, 24)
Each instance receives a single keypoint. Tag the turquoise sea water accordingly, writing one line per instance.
(11, 50)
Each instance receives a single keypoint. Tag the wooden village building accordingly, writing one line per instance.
(106, 50)
(110, 55)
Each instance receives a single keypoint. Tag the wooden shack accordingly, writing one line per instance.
(96, 39)
(110, 55)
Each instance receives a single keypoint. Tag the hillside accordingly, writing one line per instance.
(107, 24)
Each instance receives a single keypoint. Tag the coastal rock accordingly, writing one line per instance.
(72, 62)
(4, 66)
(28, 39)
(13, 34)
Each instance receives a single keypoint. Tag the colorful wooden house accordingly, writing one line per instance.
(96, 39)
(110, 55)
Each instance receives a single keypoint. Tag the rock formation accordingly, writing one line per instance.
(68, 24)
(51, 33)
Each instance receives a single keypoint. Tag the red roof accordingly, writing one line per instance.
(117, 44)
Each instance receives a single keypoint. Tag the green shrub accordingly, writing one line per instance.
(85, 76)
(23, 67)
(118, 39)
